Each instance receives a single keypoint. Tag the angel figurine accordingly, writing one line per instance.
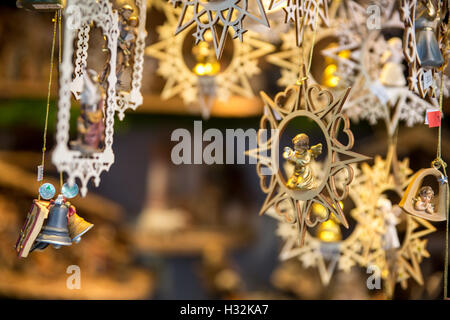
(127, 37)
(424, 200)
(391, 220)
(301, 157)
(90, 123)
(427, 22)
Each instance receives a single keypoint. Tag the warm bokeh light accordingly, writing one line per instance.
(207, 64)
(329, 231)
(329, 77)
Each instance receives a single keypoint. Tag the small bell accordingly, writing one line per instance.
(55, 230)
(329, 231)
(77, 225)
(426, 24)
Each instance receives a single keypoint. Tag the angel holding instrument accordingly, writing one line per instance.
(301, 157)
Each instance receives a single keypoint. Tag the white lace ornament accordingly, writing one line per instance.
(73, 162)
(125, 99)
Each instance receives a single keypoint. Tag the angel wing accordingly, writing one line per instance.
(316, 150)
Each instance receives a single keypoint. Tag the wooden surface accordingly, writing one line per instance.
(140, 285)
(189, 242)
(235, 106)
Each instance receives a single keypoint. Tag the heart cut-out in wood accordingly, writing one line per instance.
(413, 204)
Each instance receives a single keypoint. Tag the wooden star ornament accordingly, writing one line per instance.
(181, 80)
(209, 15)
(323, 109)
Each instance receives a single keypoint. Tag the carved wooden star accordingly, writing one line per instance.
(226, 14)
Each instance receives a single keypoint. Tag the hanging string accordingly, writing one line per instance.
(60, 61)
(44, 144)
(305, 76)
(59, 36)
(439, 163)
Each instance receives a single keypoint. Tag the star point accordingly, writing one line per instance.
(238, 31)
(199, 35)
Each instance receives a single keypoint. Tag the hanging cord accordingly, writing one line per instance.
(305, 76)
(439, 163)
(44, 145)
(60, 61)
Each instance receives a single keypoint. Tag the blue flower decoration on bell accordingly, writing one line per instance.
(47, 191)
(69, 191)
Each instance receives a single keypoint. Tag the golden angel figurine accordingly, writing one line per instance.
(301, 157)
(424, 200)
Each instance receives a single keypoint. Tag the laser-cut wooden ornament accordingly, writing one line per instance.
(181, 80)
(74, 163)
(436, 210)
(367, 56)
(126, 98)
(368, 245)
(399, 264)
(301, 101)
(329, 256)
(383, 94)
(225, 13)
(289, 57)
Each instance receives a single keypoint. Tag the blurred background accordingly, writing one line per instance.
(164, 231)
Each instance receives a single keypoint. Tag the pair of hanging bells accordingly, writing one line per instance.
(52, 222)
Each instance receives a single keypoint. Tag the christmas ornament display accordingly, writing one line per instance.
(397, 260)
(374, 240)
(54, 222)
(302, 191)
(96, 154)
(336, 210)
(207, 80)
(383, 95)
(325, 248)
(218, 14)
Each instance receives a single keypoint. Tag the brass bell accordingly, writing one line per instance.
(329, 231)
(426, 24)
(55, 230)
(77, 227)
